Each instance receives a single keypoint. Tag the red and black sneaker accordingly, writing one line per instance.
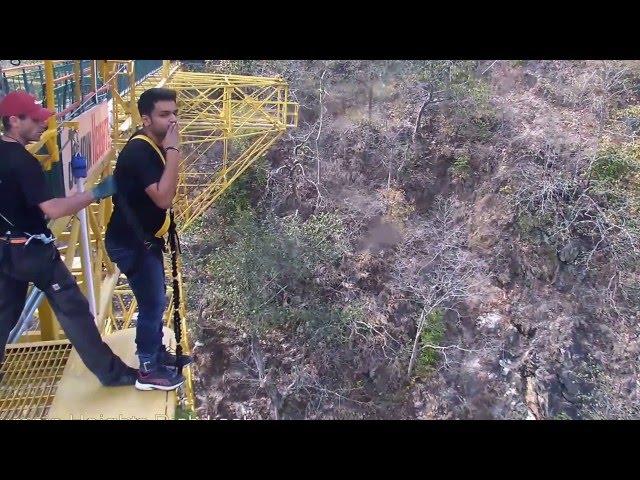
(159, 378)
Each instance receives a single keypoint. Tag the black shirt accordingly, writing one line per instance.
(22, 187)
(137, 167)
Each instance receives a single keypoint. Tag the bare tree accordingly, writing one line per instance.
(302, 153)
(434, 266)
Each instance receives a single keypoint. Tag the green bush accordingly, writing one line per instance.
(616, 163)
(461, 167)
(183, 413)
(272, 271)
(432, 334)
(239, 197)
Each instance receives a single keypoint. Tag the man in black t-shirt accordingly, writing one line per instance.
(27, 252)
(147, 176)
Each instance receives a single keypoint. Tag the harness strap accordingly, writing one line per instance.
(167, 219)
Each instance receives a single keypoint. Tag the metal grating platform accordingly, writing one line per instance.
(31, 372)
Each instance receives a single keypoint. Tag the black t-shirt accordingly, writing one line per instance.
(137, 167)
(22, 187)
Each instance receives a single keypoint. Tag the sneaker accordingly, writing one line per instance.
(168, 358)
(159, 378)
(129, 377)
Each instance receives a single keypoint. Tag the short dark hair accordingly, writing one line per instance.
(6, 126)
(148, 99)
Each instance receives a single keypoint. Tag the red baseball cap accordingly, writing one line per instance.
(21, 103)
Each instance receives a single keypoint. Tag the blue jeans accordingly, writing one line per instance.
(144, 270)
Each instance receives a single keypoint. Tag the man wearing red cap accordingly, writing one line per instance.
(27, 251)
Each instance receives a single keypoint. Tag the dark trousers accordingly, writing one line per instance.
(41, 265)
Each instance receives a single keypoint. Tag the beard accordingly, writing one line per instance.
(160, 134)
